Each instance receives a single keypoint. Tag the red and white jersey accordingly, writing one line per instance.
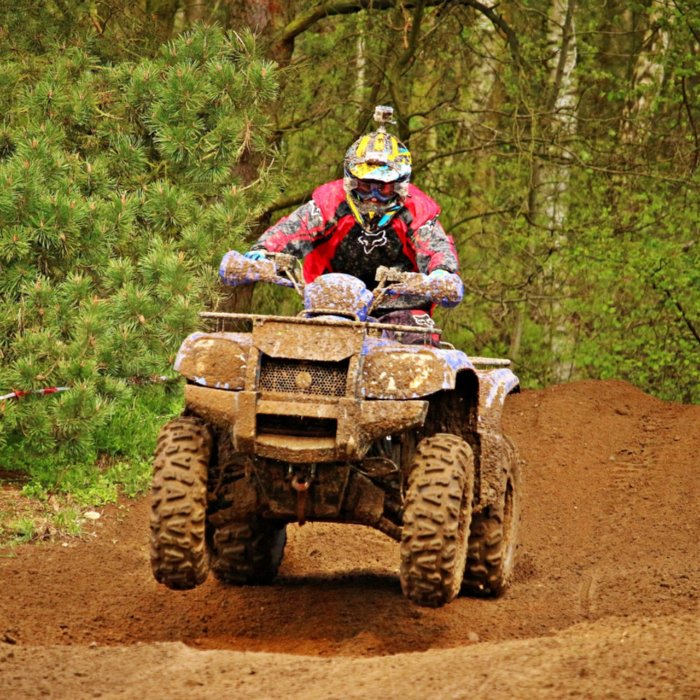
(327, 237)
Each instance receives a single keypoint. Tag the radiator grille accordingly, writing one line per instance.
(300, 377)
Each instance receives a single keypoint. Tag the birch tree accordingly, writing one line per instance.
(647, 76)
(552, 170)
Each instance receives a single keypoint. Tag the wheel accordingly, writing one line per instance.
(436, 520)
(493, 538)
(179, 556)
(248, 552)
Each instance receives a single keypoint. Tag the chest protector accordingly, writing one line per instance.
(344, 246)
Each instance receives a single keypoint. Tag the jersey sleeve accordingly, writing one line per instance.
(293, 234)
(435, 249)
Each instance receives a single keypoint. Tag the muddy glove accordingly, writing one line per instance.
(446, 288)
(439, 287)
(237, 269)
(255, 255)
(414, 286)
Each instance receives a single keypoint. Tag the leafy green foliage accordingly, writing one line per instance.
(121, 187)
(611, 292)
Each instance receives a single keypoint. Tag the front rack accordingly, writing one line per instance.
(371, 325)
(223, 318)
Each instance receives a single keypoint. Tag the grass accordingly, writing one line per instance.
(24, 519)
(23, 529)
(44, 496)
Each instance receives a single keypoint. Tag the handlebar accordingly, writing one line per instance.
(286, 270)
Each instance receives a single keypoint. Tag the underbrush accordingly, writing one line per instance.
(47, 495)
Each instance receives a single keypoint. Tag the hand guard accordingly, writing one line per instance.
(446, 288)
(237, 269)
(439, 287)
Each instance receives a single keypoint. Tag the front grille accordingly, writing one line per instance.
(302, 377)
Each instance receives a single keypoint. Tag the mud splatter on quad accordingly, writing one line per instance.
(329, 416)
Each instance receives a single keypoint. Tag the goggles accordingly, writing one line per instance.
(367, 189)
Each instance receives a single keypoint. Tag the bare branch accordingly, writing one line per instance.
(410, 51)
(398, 69)
(459, 151)
(691, 121)
(309, 17)
(287, 202)
(303, 122)
(483, 215)
(679, 307)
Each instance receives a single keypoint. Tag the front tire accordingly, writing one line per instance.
(493, 538)
(179, 557)
(436, 520)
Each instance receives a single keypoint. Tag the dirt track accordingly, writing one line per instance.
(605, 602)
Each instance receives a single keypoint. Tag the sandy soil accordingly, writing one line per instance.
(604, 605)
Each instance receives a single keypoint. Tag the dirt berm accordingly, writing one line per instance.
(604, 605)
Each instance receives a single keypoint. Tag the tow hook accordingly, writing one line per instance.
(301, 484)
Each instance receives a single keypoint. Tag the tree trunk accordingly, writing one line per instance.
(647, 79)
(552, 170)
(196, 11)
(163, 12)
(267, 18)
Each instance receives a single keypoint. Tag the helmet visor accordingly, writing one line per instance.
(369, 189)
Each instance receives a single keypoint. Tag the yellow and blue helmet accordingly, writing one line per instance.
(377, 169)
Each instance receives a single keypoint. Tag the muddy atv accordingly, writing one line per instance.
(331, 416)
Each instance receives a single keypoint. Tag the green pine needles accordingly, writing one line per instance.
(120, 188)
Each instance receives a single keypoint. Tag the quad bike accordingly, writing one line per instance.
(329, 416)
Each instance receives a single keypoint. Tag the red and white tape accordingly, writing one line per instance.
(18, 394)
(48, 390)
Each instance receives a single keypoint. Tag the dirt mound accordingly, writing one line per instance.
(609, 531)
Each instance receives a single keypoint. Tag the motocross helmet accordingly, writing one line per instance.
(377, 169)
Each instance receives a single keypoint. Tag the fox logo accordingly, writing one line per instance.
(370, 241)
(423, 320)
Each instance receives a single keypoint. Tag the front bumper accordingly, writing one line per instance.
(302, 431)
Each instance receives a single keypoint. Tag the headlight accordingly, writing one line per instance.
(216, 360)
(408, 373)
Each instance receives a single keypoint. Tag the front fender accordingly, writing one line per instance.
(394, 371)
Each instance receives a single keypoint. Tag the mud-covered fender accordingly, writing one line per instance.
(497, 456)
(215, 360)
(394, 371)
(338, 293)
(494, 386)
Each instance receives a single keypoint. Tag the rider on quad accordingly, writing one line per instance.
(372, 217)
(327, 416)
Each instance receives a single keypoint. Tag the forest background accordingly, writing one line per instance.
(139, 141)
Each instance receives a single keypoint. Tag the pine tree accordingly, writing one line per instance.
(120, 188)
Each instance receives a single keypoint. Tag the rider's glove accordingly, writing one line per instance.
(255, 255)
(446, 288)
